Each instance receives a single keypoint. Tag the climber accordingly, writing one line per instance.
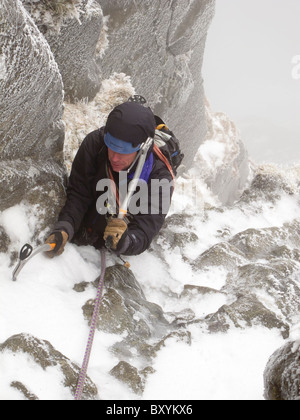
(103, 156)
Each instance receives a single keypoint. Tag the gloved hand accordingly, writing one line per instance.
(115, 231)
(60, 238)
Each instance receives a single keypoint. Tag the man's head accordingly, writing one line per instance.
(127, 127)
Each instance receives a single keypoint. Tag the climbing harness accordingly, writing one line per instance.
(83, 371)
(27, 253)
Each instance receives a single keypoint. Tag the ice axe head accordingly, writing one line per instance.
(25, 252)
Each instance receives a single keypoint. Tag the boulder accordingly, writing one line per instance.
(246, 311)
(131, 376)
(45, 355)
(125, 310)
(282, 374)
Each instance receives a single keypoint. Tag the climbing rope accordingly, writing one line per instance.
(83, 371)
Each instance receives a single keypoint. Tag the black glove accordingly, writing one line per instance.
(59, 238)
(115, 233)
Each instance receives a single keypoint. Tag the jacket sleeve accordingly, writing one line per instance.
(80, 194)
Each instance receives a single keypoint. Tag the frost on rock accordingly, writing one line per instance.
(282, 375)
(31, 94)
(73, 30)
(222, 160)
(160, 45)
(53, 13)
(46, 356)
(83, 117)
(2, 67)
(31, 108)
(258, 268)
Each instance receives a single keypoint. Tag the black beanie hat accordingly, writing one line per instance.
(131, 122)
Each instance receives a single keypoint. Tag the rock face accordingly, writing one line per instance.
(31, 104)
(30, 89)
(169, 75)
(222, 160)
(53, 50)
(50, 49)
(159, 44)
(282, 374)
(45, 355)
(260, 266)
(126, 312)
(73, 35)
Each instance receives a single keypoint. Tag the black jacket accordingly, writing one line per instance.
(80, 218)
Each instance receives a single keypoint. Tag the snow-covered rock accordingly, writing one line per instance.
(222, 160)
(31, 90)
(282, 374)
(217, 292)
(42, 354)
(73, 32)
(31, 110)
(160, 45)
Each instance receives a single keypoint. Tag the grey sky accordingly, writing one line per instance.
(248, 74)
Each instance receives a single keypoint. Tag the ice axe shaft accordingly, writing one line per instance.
(27, 253)
(132, 185)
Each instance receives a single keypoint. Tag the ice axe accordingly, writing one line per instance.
(27, 253)
(141, 157)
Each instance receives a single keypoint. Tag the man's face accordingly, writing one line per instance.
(120, 162)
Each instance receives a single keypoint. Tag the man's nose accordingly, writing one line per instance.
(114, 156)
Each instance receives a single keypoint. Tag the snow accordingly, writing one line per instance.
(43, 303)
(19, 229)
(44, 381)
(219, 366)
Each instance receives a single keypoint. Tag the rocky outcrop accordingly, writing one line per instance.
(73, 33)
(222, 160)
(31, 105)
(260, 266)
(31, 90)
(282, 374)
(173, 35)
(43, 354)
(159, 44)
(125, 311)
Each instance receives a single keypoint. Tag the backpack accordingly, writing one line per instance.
(168, 145)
